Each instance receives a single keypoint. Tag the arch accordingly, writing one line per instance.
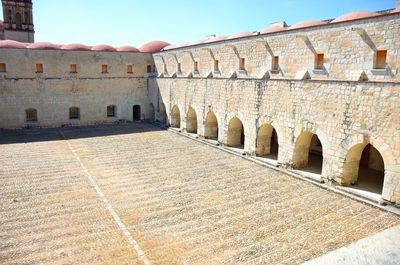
(364, 167)
(235, 133)
(31, 115)
(267, 141)
(211, 126)
(175, 117)
(191, 121)
(308, 153)
(74, 113)
(18, 20)
(151, 112)
(163, 113)
(136, 113)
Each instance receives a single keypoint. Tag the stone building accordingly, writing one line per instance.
(322, 97)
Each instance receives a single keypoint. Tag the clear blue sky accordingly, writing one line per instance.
(134, 22)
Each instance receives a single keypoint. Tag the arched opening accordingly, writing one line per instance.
(235, 133)
(18, 20)
(31, 115)
(364, 167)
(151, 113)
(136, 113)
(111, 111)
(211, 127)
(27, 18)
(308, 153)
(267, 142)
(191, 121)
(74, 113)
(163, 114)
(175, 117)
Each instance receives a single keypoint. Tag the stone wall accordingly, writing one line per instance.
(55, 90)
(341, 114)
(349, 50)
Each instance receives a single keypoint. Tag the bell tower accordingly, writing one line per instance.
(18, 20)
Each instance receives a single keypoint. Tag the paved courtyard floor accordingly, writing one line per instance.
(134, 194)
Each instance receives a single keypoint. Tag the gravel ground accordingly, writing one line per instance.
(181, 201)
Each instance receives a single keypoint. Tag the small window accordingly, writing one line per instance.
(3, 68)
(149, 68)
(129, 69)
(242, 64)
(179, 68)
(319, 64)
(275, 64)
(216, 65)
(196, 66)
(111, 111)
(72, 68)
(74, 113)
(380, 62)
(104, 68)
(31, 115)
(39, 68)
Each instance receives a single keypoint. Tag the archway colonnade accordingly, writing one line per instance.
(363, 165)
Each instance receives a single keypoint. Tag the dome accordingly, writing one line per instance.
(44, 46)
(104, 48)
(153, 46)
(272, 29)
(196, 42)
(76, 47)
(127, 49)
(216, 38)
(241, 35)
(308, 23)
(169, 47)
(13, 44)
(182, 45)
(354, 15)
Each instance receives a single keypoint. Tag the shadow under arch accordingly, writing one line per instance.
(191, 121)
(364, 167)
(211, 126)
(308, 153)
(267, 142)
(236, 136)
(175, 117)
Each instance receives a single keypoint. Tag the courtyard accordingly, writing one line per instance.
(136, 194)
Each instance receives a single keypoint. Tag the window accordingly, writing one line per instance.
(242, 64)
(2, 68)
(149, 68)
(39, 68)
(179, 68)
(319, 64)
(72, 68)
(31, 115)
(275, 64)
(216, 65)
(196, 66)
(104, 68)
(111, 111)
(380, 62)
(129, 69)
(74, 113)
